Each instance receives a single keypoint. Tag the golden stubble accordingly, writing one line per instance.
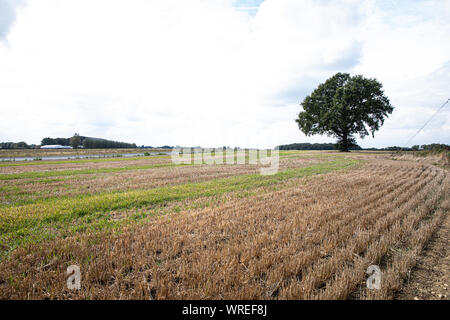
(307, 240)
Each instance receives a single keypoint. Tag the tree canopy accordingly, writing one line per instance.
(60, 141)
(343, 106)
(75, 141)
(87, 142)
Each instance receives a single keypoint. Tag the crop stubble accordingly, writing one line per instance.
(310, 240)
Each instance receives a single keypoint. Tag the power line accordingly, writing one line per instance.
(440, 108)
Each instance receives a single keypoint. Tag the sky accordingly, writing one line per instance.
(215, 72)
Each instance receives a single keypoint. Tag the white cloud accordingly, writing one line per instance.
(198, 72)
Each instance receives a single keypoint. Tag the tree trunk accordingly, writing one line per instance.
(344, 143)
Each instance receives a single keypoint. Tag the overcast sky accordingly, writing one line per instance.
(215, 72)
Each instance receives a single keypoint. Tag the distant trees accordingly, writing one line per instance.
(75, 141)
(343, 106)
(46, 141)
(87, 142)
(7, 145)
(396, 148)
(21, 145)
(96, 143)
(312, 146)
(434, 147)
(16, 145)
(53, 141)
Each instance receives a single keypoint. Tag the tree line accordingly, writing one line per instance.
(52, 141)
(17, 145)
(313, 146)
(97, 143)
(75, 141)
(435, 147)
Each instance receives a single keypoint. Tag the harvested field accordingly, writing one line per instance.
(91, 164)
(222, 232)
(30, 186)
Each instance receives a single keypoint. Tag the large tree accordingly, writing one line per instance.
(343, 106)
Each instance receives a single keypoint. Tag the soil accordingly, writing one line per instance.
(430, 278)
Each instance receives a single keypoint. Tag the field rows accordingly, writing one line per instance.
(64, 215)
(30, 186)
(294, 235)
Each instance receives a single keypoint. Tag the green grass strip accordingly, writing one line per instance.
(61, 173)
(42, 220)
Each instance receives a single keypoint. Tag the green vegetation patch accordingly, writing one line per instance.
(55, 217)
(60, 173)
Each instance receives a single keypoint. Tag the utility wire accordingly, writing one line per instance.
(440, 108)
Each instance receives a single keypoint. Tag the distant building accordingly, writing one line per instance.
(55, 146)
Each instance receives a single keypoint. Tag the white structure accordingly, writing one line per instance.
(55, 146)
